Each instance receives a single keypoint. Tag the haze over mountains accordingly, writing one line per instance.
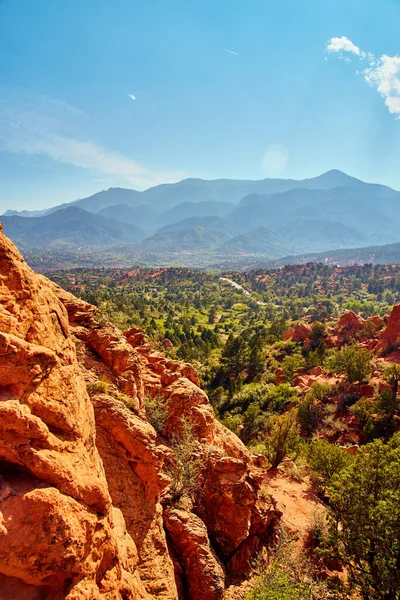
(218, 220)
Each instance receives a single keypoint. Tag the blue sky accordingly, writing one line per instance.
(278, 105)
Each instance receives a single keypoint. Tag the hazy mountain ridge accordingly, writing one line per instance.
(70, 226)
(271, 218)
(387, 254)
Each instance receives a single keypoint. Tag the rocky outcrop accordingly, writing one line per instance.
(348, 326)
(204, 575)
(351, 322)
(300, 333)
(391, 335)
(59, 532)
(85, 508)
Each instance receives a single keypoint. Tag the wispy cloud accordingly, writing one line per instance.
(342, 44)
(382, 73)
(231, 51)
(40, 126)
(132, 96)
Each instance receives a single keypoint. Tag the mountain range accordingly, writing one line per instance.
(219, 219)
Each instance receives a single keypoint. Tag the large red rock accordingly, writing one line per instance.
(350, 321)
(289, 333)
(391, 334)
(117, 354)
(60, 536)
(84, 481)
(300, 333)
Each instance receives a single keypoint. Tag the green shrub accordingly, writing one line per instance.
(232, 422)
(326, 460)
(254, 402)
(101, 386)
(317, 530)
(129, 402)
(278, 397)
(387, 403)
(287, 577)
(348, 400)
(309, 413)
(321, 391)
(282, 438)
(391, 374)
(312, 359)
(253, 422)
(365, 504)
(317, 336)
(363, 409)
(353, 361)
(253, 393)
(186, 468)
(291, 364)
(156, 411)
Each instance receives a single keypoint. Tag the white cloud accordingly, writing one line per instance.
(385, 76)
(231, 52)
(132, 96)
(381, 73)
(50, 129)
(342, 44)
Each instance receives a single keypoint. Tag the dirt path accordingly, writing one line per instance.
(241, 288)
(298, 503)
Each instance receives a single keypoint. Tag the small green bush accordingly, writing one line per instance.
(387, 403)
(291, 364)
(287, 577)
(321, 391)
(101, 386)
(131, 403)
(363, 409)
(186, 468)
(156, 411)
(232, 422)
(326, 460)
(282, 438)
(353, 361)
(309, 414)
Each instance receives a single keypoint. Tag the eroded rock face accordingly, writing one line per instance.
(347, 327)
(58, 531)
(84, 505)
(204, 573)
(351, 321)
(391, 335)
(300, 333)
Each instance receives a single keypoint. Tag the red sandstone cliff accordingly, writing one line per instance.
(85, 511)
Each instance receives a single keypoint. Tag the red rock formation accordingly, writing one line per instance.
(350, 321)
(347, 327)
(300, 333)
(377, 321)
(59, 533)
(205, 574)
(84, 505)
(279, 376)
(391, 335)
(289, 333)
